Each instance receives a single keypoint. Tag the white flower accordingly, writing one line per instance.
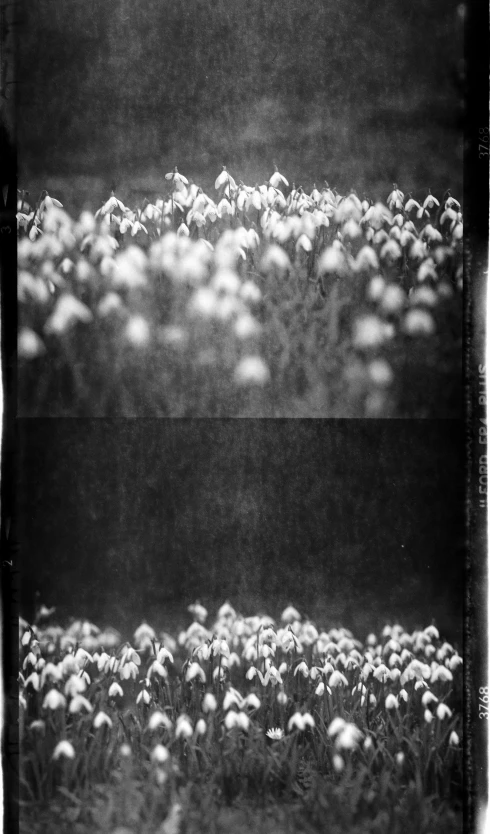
(400, 758)
(252, 701)
(201, 727)
(143, 696)
(29, 345)
(102, 718)
(391, 702)
(441, 673)
(428, 716)
(368, 332)
(443, 712)
(54, 700)
(67, 312)
(281, 698)
(64, 748)
(78, 703)
(275, 733)
(159, 719)
(251, 370)
(348, 738)
(320, 690)
(290, 614)
(115, 690)
(195, 671)
(454, 739)
(338, 762)
(209, 703)
(184, 727)
(418, 322)
(428, 698)
(275, 258)
(300, 722)
(137, 331)
(337, 679)
(160, 754)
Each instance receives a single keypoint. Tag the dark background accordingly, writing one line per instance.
(355, 522)
(362, 93)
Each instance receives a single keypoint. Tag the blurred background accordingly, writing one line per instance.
(361, 93)
(355, 522)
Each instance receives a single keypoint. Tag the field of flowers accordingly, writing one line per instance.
(246, 725)
(262, 300)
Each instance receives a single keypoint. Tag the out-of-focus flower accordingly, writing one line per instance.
(160, 754)
(183, 727)
(29, 344)
(275, 258)
(67, 312)
(79, 703)
(368, 333)
(137, 331)
(338, 762)
(102, 718)
(380, 373)
(54, 700)
(209, 703)
(301, 722)
(159, 719)
(64, 748)
(391, 702)
(418, 323)
(201, 727)
(348, 738)
(454, 739)
(251, 370)
(428, 698)
(428, 716)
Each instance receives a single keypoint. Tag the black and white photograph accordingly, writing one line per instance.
(241, 627)
(244, 472)
(232, 209)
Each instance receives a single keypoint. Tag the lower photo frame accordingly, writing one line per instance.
(241, 626)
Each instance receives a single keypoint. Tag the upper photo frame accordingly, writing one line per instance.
(240, 210)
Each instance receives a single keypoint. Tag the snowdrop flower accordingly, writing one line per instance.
(368, 332)
(54, 700)
(301, 722)
(428, 698)
(251, 370)
(381, 673)
(67, 312)
(403, 694)
(428, 716)
(29, 345)
(115, 690)
(454, 739)
(201, 727)
(290, 614)
(443, 712)
(275, 733)
(391, 702)
(78, 703)
(281, 698)
(380, 373)
(232, 699)
(143, 696)
(338, 762)
(337, 679)
(348, 738)
(159, 719)
(278, 180)
(137, 331)
(184, 727)
(195, 671)
(400, 758)
(63, 748)
(102, 718)
(418, 322)
(160, 754)
(441, 673)
(275, 258)
(209, 703)
(252, 701)
(303, 668)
